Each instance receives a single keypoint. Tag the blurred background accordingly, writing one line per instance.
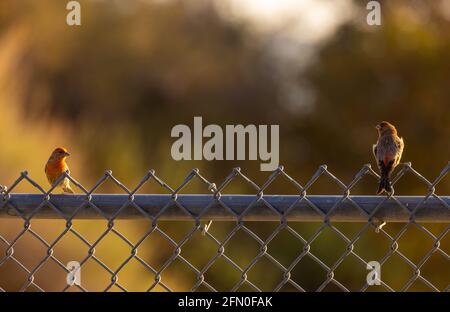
(111, 90)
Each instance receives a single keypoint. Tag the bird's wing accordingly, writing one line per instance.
(374, 150)
(400, 144)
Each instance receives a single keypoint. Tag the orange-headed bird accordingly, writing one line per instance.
(388, 152)
(56, 166)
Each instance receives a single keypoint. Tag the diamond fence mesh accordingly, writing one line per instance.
(256, 242)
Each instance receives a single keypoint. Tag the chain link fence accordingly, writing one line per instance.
(256, 242)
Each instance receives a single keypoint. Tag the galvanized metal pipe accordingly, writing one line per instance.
(430, 210)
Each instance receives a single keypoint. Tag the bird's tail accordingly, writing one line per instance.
(385, 183)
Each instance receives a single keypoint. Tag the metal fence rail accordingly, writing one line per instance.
(286, 210)
(396, 209)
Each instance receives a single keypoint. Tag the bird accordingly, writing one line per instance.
(387, 151)
(56, 166)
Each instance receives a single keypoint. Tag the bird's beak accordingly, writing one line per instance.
(66, 154)
(378, 127)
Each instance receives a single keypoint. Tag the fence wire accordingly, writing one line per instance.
(288, 213)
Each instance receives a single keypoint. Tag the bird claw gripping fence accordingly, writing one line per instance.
(263, 246)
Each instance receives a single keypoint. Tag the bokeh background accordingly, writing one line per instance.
(112, 89)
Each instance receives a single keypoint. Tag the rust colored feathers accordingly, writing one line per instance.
(56, 166)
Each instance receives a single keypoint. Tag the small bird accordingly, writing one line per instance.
(56, 166)
(388, 152)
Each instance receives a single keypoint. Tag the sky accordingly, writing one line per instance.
(305, 20)
(298, 27)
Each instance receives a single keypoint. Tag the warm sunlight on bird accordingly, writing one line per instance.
(388, 152)
(56, 166)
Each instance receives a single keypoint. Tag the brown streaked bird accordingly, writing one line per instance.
(56, 166)
(388, 152)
